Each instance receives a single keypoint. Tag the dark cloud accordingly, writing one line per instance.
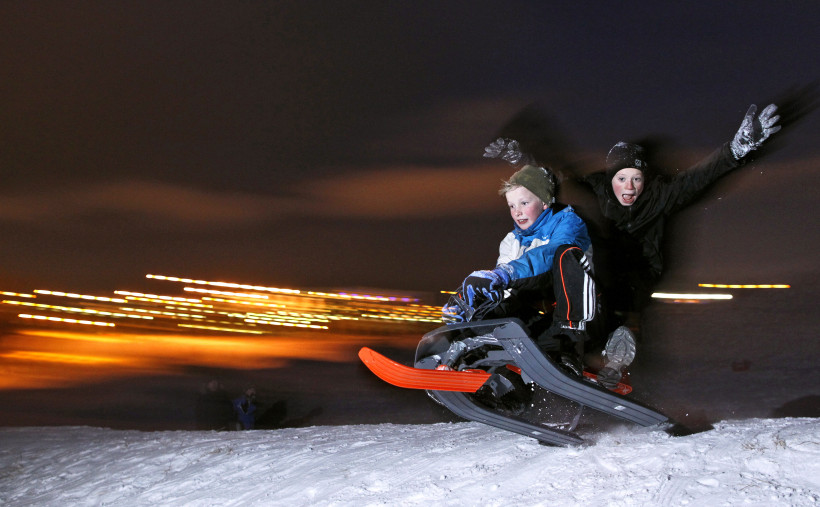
(152, 202)
(191, 135)
(383, 194)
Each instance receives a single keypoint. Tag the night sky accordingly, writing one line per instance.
(338, 144)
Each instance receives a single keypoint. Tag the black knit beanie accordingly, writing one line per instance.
(625, 155)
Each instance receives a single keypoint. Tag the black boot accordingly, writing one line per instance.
(565, 346)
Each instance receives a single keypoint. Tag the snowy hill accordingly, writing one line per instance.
(749, 462)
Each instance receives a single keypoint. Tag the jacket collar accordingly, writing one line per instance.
(529, 231)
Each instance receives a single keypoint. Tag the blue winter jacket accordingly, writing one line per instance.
(526, 255)
(245, 410)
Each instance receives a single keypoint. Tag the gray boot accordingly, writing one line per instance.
(618, 354)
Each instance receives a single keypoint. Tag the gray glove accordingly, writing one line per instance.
(753, 131)
(505, 149)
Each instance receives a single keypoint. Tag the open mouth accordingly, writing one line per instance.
(627, 198)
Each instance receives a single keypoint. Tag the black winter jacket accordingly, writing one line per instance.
(635, 244)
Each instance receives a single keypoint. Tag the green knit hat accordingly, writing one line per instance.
(537, 180)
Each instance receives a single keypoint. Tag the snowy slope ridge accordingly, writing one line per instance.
(756, 461)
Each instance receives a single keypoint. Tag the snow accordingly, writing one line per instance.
(738, 462)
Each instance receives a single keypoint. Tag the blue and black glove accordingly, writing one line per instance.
(485, 285)
(753, 131)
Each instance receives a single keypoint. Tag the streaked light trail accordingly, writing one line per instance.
(672, 295)
(741, 286)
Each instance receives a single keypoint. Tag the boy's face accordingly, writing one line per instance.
(525, 207)
(627, 185)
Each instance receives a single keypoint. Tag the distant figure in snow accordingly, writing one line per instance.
(245, 409)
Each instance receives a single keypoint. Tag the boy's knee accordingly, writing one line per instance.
(565, 254)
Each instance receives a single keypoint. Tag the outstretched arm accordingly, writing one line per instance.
(753, 132)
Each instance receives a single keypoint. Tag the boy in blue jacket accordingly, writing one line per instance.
(541, 261)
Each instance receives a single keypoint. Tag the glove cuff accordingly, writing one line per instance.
(504, 271)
